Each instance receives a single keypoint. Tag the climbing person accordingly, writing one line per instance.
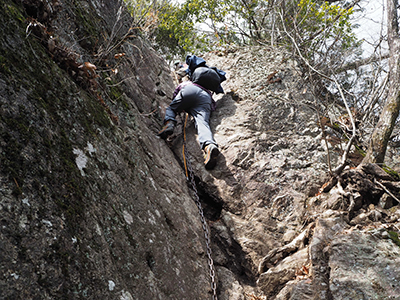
(178, 65)
(195, 97)
(182, 75)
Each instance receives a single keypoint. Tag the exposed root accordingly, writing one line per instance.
(278, 254)
(360, 187)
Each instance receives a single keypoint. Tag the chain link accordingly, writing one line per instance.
(202, 218)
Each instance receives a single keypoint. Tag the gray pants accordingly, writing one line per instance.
(196, 102)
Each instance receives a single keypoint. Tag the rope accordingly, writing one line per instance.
(183, 146)
(188, 168)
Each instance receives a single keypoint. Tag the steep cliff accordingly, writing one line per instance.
(301, 233)
(94, 205)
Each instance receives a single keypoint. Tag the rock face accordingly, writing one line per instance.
(94, 205)
(308, 236)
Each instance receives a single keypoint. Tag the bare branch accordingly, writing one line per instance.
(362, 62)
(340, 168)
(374, 98)
(337, 18)
(386, 190)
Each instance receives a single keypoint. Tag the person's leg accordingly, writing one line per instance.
(201, 112)
(197, 102)
(173, 108)
(206, 138)
(201, 115)
(170, 114)
(211, 153)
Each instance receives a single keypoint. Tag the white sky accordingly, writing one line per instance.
(372, 24)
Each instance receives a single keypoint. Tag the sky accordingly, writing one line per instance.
(372, 24)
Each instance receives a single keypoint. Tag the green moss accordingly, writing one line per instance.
(391, 172)
(117, 95)
(337, 127)
(97, 116)
(14, 11)
(360, 151)
(88, 26)
(394, 236)
(4, 66)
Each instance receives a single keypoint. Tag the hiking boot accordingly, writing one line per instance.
(167, 130)
(210, 156)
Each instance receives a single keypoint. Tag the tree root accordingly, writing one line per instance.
(278, 254)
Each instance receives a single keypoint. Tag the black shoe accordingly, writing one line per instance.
(210, 156)
(167, 130)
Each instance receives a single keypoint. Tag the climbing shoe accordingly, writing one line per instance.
(167, 130)
(210, 156)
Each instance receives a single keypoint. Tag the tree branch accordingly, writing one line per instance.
(340, 168)
(362, 62)
(337, 18)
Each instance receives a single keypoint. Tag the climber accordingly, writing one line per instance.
(178, 65)
(195, 97)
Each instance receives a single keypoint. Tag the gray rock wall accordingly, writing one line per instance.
(301, 235)
(92, 204)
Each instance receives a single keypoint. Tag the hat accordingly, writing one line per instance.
(181, 72)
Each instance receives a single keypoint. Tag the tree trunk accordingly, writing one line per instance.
(383, 130)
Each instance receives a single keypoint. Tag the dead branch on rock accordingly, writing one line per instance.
(280, 253)
(375, 170)
(364, 193)
(386, 190)
(254, 297)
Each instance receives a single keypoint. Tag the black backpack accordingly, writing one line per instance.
(207, 78)
(210, 80)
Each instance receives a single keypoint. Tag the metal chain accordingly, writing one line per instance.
(202, 218)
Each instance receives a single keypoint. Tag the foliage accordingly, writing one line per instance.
(234, 21)
(322, 31)
(170, 26)
(144, 14)
(174, 28)
(176, 32)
